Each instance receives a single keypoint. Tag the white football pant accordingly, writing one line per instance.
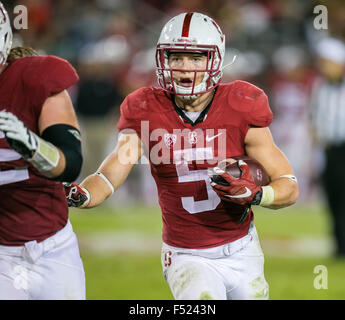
(233, 271)
(48, 270)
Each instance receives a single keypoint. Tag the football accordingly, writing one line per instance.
(230, 166)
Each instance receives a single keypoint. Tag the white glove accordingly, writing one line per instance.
(40, 153)
(18, 136)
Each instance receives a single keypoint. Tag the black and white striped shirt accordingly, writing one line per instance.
(328, 112)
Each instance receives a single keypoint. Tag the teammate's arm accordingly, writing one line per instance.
(56, 150)
(58, 120)
(259, 145)
(114, 170)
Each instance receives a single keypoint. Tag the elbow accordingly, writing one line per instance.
(67, 139)
(291, 198)
(74, 162)
(295, 195)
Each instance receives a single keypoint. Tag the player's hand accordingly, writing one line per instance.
(18, 136)
(243, 190)
(76, 195)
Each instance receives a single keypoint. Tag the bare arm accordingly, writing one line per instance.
(116, 168)
(57, 109)
(259, 145)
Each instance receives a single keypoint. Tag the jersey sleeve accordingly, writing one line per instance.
(251, 102)
(260, 114)
(46, 76)
(127, 123)
(134, 111)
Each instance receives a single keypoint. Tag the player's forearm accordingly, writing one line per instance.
(285, 193)
(56, 153)
(103, 183)
(48, 159)
(113, 171)
(98, 190)
(59, 154)
(59, 168)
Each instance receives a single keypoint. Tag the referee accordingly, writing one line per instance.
(328, 123)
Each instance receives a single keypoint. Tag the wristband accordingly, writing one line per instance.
(290, 177)
(46, 156)
(101, 175)
(267, 196)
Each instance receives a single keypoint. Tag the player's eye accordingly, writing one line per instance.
(175, 59)
(197, 59)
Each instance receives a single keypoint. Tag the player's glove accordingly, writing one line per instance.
(42, 154)
(243, 190)
(18, 136)
(76, 195)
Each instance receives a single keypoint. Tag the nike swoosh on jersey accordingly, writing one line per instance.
(208, 139)
(248, 193)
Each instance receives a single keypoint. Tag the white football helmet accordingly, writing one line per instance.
(191, 32)
(5, 35)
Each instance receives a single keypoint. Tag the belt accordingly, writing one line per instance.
(32, 250)
(221, 251)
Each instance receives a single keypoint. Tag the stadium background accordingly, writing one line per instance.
(111, 43)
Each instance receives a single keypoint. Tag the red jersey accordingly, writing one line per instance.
(180, 153)
(32, 207)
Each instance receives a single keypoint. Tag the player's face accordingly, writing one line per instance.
(187, 63)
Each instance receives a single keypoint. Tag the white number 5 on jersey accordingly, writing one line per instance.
(181, 158)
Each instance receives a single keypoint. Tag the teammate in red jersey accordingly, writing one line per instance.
(185, 127)
(39, 148)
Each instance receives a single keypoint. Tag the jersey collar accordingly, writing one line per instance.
(185, 118)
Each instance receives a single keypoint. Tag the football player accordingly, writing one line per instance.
(184, 126)
(39, 148)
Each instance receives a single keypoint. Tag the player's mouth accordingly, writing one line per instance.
(185, 82)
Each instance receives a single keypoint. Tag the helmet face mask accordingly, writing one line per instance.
(5, 35)
(204, 36)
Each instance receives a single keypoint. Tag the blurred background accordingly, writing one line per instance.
(111, 43)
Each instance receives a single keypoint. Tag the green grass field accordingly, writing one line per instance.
(120, 248)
